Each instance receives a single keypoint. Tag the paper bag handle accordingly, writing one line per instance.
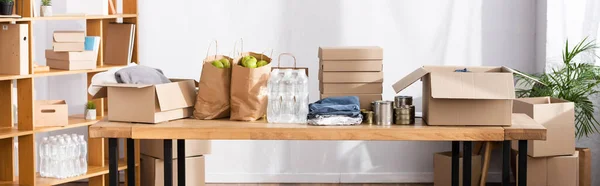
(209, 45)
(263, 53)
(235, 47)
(285, 54)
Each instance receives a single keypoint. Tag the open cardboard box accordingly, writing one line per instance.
(481, 96)
(146, 103)
(556, 170)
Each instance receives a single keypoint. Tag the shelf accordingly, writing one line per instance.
(13, 132)
(57, 72)
(74, 121)
(67, 17)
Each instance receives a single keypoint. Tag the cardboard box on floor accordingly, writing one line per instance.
(442, 166)
(155, 148)
(557, 170)
(149, 103)
(152, 171)
(351, 53)
(481, 96)
(558, 116)
(585, 166)
(364, 99)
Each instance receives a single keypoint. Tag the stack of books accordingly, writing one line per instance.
(72, 50)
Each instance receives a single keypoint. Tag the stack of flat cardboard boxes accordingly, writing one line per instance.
(68, 52)
(152, 162)
(554, 161)
(351, 71)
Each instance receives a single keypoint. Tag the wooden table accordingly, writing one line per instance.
(525, 129)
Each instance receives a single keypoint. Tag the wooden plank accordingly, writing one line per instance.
(236, 130)
(25, 99)
(13, 132)
(129, 7)
(93, 171)
(27, 160)
(57, 72)
(74, 121)
(6, 108)
(80, 17)
(94, 28)
(524, 128)
(7, 170)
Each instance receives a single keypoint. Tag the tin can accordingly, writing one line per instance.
(367, 117)
(404, 115)
(402, 100)
(383, 112)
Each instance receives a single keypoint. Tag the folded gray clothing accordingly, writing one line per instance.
(141, 75)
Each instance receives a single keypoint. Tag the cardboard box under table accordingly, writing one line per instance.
(149, 103)
(558, 116)
(481, 96)
(152, 171)
(155, 148)
(442, 164)
(557, 170)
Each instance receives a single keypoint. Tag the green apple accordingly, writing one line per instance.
(261, 63)
(217, 64)
(225, 62)
(251, 63)
(245, 59)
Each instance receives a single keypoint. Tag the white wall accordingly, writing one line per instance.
(412, 33)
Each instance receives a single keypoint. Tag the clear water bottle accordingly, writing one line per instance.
(301, 104)
(274, 103)
(61, 158)
(83, 155)
(43, 154)
(76, 154)
(287, 97)
(51, 170)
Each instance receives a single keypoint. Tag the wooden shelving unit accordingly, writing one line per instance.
(25, 131)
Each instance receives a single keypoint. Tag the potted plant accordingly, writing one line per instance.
(572, 81)
(6, 7)
(90, 111)
(46, 8)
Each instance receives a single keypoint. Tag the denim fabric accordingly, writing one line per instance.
(341, 106)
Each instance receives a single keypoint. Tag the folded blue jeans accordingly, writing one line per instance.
(344, 105)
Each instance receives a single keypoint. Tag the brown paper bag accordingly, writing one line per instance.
(212, 101)
(249, 89)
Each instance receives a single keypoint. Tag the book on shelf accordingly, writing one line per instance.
(14, 49)
(92, 43)
(119, 43)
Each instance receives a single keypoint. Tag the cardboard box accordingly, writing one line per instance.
(155, 148)
(149, 103)
(585, 166)
(365, 99)
(69, 36)
(442, 167)
(558, 116)
(152, 171)
(351, 53)
(481, 96)
(557, 170)
(51, 113)
(14, 49)
(71, 65)
(352, 88)
(71, 56)
(68, 47)
(352, 77)
(352, 66)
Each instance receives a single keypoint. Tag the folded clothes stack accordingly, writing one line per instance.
(343, 110)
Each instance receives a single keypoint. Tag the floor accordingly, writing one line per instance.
(308, 184)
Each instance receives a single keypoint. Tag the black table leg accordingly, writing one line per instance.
(168, 153)
(113, 162)
(506, 163)
(181, 162)
(130, 162)
(455, 162)
(522, 168)
(467, 157)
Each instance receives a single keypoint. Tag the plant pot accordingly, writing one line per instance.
(6, 8)
(90, 114)
(45, 11)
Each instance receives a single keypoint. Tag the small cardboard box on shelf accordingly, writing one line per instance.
(146, 103)
(352, 66)
(14, 49)
(352, 88)
(442, 164)
(151, 171)
(65, 36)
(480, 96)
(74, 56)
(558, 116)
(556, 170)
(155, 148)
(71, 64)
(51, 113)
(352, 77)
(351, 53)
(68, 47)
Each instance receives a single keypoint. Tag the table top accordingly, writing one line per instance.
(260, 130)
